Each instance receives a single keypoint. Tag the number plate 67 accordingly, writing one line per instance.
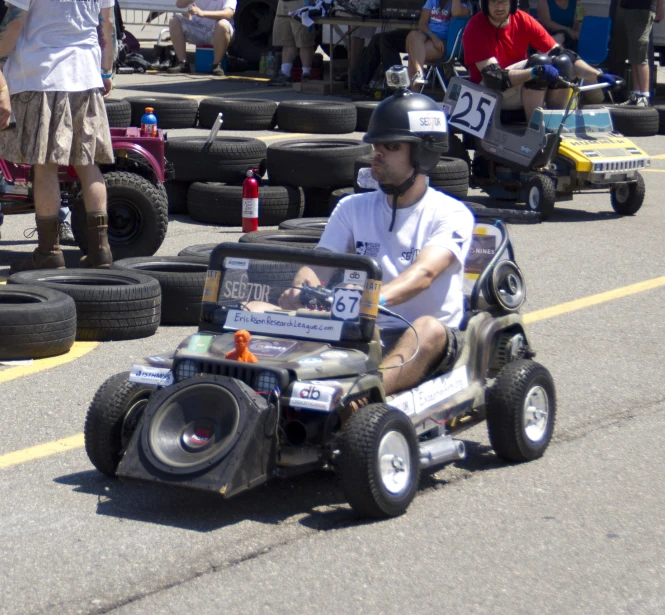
(473, 112)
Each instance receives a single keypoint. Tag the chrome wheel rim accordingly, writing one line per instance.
(394, 462)
(534, 198)
(535, 414)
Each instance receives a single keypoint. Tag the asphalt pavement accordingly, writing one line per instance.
(579, 531)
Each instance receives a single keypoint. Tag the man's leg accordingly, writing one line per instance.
(367, 65)
(356, 48)
(221, 40)
(392, 45)
(94, 199)
(531, 100)
(433, 338)
(557, 99)
(178, 38)
(306, 57)
(46, 191)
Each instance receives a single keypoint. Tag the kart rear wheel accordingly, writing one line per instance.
(114, 413)
(521, 411)
(627, 198)
(379, 464)
(541, 195)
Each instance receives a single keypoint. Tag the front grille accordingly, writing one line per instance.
(245, 372)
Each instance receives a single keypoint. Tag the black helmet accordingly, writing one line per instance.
(407, 117)
(484, 6)
(564, 65)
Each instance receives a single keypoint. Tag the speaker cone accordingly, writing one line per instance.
(507, 286)
(192, 428)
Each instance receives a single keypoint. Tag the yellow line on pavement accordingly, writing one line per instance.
(74, 442)
(41, 450)
(284, 135)
(652, 171)
(585, 302)
(78, 350)
(658, 157)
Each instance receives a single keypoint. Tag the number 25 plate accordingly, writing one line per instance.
(473, 111)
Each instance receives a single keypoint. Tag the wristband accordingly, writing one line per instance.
(107, 75)
(382, 300)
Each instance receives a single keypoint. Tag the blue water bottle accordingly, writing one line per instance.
(149, 123)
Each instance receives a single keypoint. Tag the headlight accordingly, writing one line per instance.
(186, 369)
(265, 382)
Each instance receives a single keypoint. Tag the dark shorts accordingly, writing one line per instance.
(455, 343)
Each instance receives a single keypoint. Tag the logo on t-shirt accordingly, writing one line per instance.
(410, 255)
(367, 248)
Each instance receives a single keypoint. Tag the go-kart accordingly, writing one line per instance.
(198, 418)
(558, 153)
(136, 197)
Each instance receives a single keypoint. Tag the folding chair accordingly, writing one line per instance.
(447, 62)
(594, 41)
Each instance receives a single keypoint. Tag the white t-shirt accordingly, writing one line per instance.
(58, 48)
(360, 224)
(204, 23)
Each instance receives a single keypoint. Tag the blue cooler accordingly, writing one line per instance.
(204, 57)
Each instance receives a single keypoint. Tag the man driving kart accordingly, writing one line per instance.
(419, 236)
(495, 44)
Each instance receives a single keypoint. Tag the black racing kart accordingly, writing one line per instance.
(197, 419)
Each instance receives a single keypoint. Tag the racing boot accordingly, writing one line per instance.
(99, 252)
(48, 254)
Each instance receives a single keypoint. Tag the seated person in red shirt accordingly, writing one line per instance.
(495, 43)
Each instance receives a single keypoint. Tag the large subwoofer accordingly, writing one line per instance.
(191, 426)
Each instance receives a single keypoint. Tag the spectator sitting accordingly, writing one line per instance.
(207, 22)
(428, 42)
(562, 20)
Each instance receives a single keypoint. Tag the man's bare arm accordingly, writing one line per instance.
(430, 264)
(10, 29)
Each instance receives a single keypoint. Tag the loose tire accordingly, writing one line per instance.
(199, 252)
(337, 195)
(364, 110)
(35, 322)
(118, 112)
(379, 465)
(627, 198)
(176, 195)
(181, 279)
(238, 113)
(112, 417)
(450, 175)
(215, 203)
(541, 195)
(171, 111)
(521, 411)
(138, 216)
(110, 304)
(253, 21)
(632, 121)
(317, 202)
(295, 239)
(661, 118)
(314, 163)
(316, 117)
(457, 149)
(304, 224)
(227, 160)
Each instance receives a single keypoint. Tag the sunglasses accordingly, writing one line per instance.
(391, 147)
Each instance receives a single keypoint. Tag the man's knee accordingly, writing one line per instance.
(223, 25)
(174, 23)
(432, 334)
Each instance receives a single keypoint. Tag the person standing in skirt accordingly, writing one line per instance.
(56, 59)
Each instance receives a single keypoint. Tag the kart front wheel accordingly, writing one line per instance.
(521, 409)
(627, 198)
(541, 195)
(379, 464)
(113, 415)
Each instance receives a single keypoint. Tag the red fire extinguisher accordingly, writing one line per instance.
(250, 203)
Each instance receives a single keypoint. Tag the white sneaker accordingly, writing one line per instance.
(642, 101)
(632, 101)
(418, 79)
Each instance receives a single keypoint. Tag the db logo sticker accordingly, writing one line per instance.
(312, 397)
(354, 277)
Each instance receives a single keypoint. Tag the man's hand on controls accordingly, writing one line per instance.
(290, 299)
(546, 72)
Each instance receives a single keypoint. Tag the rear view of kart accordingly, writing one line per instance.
(557, 154)
(199, 418)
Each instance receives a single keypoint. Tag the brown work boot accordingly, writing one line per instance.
(99, 252)
(48, 254)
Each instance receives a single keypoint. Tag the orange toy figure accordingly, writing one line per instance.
(241, 353)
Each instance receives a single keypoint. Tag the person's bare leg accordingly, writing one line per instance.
(306, 56)
(557, 99)
(433, 338)
(221, 40)
(356, 49)
(93, 187)
(640, 77)
(415, 47)
(531, 100)
(46, 190)
(289, 54)
(178, 39)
